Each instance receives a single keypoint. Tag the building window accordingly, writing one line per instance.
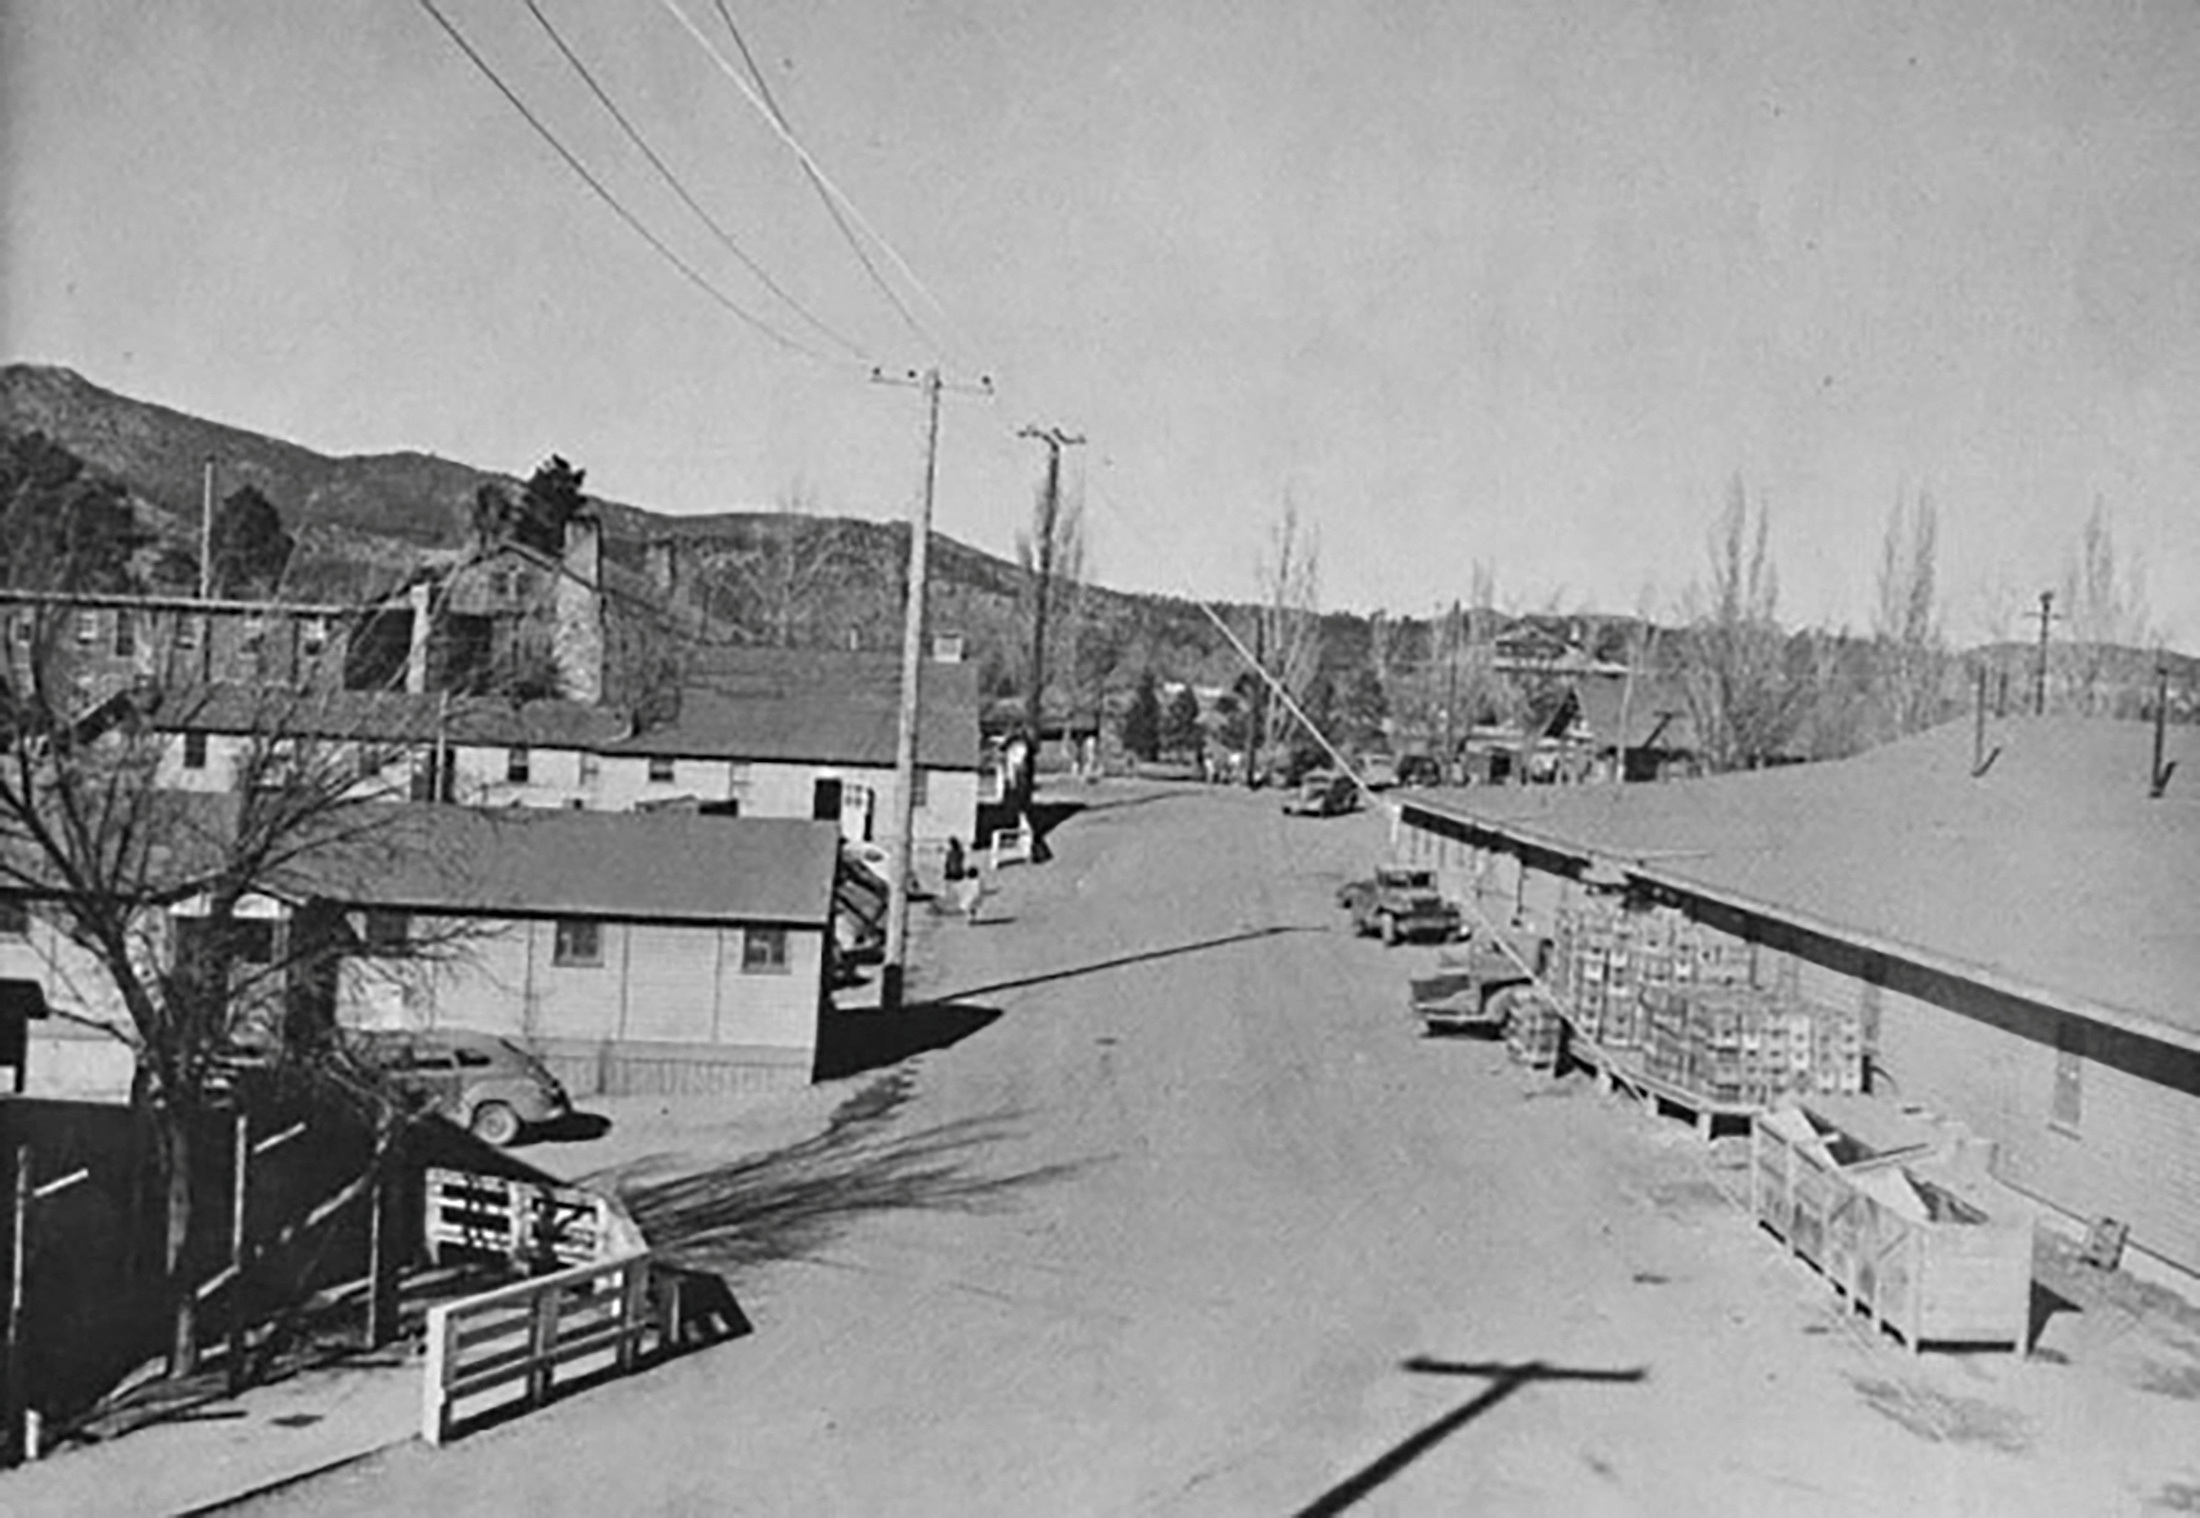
(515, 765)
(579, 942)
(125, 634)
(315, 637)
(386, 934)
(187, 632)
(87, 627)
(764, 951)
(591, 767)
(2069, 1103)
(661, 768)
(194, 751)
(920, 787)
(15, 919)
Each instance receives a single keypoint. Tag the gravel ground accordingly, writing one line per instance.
(1192, 1221)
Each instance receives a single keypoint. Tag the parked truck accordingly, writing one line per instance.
(1398, 903)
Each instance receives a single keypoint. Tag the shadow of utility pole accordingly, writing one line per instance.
(1123, 961)
(1503, 1380)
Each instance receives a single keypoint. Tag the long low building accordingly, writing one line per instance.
(754, 733)
(2018, 925)
(638, 954)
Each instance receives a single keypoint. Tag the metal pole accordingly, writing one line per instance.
(206, 533)
(2039, 674)
(1978, 723)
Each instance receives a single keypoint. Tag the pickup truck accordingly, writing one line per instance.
(1399, 903)
(1473, 992)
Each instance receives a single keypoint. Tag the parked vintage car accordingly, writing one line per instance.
(1420, 769)
(1399, 903)
(487, 1085)
(1323, 794)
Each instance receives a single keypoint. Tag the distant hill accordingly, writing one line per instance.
(364, 522)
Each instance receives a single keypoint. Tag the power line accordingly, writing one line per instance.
(1245, 655)
(664, 171)
(794, 146)
(832, 208)
(633, 222)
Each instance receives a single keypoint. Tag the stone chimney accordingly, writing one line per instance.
(577, 643)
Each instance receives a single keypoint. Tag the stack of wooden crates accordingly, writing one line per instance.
(1680, 992)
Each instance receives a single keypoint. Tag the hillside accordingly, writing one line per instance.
(363, 522)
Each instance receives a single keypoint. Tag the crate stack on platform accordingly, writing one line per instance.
(1741, 1046)
(1534, 1033)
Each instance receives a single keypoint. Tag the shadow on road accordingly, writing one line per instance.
(789, 1204)
(851, 1042)
(1145, 956)
(1503, 1380)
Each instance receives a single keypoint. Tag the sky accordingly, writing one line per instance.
(1519, 284)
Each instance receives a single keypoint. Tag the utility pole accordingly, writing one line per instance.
(893, 975)
(206, 533)
(1050, 505)
(2046, 614)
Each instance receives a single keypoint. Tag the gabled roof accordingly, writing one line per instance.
(1657, 713)
(533, 862)
(814, 706)
(387, 717)
(2052, 874)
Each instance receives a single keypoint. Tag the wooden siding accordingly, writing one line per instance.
(657, 990)
(1986, 1057)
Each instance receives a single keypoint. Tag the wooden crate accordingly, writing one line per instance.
(1890, 1234)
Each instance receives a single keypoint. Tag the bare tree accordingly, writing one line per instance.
(1743, 697)
(160, 896)
(2105, 610)
(785, 573)
(1909, 659)
(1050, 596)
(1289, 618)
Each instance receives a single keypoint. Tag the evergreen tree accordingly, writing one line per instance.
(1180, 723)
(251, 549)
(1142, 722)
(553, 498)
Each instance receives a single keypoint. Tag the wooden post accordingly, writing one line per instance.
(12, 1379)
(435, 1407)
(542, 1339)
(382, 1305)
(240, 1190)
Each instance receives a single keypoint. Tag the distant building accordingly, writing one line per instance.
(756, 733)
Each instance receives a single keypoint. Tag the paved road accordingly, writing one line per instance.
(1200, 1225)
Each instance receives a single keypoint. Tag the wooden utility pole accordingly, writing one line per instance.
(2046, 614)
(1054, 439)
(893, 975)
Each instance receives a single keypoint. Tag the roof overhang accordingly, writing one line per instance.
(1640, 868)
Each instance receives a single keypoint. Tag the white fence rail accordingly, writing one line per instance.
(525, 1222)
(517, 1346)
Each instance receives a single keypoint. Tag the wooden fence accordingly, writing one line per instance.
(516, 1347)
(528, 1223)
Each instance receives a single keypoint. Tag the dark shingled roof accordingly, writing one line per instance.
(536, 862)
(814, 705)
(2053, 874)
(389, 717)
